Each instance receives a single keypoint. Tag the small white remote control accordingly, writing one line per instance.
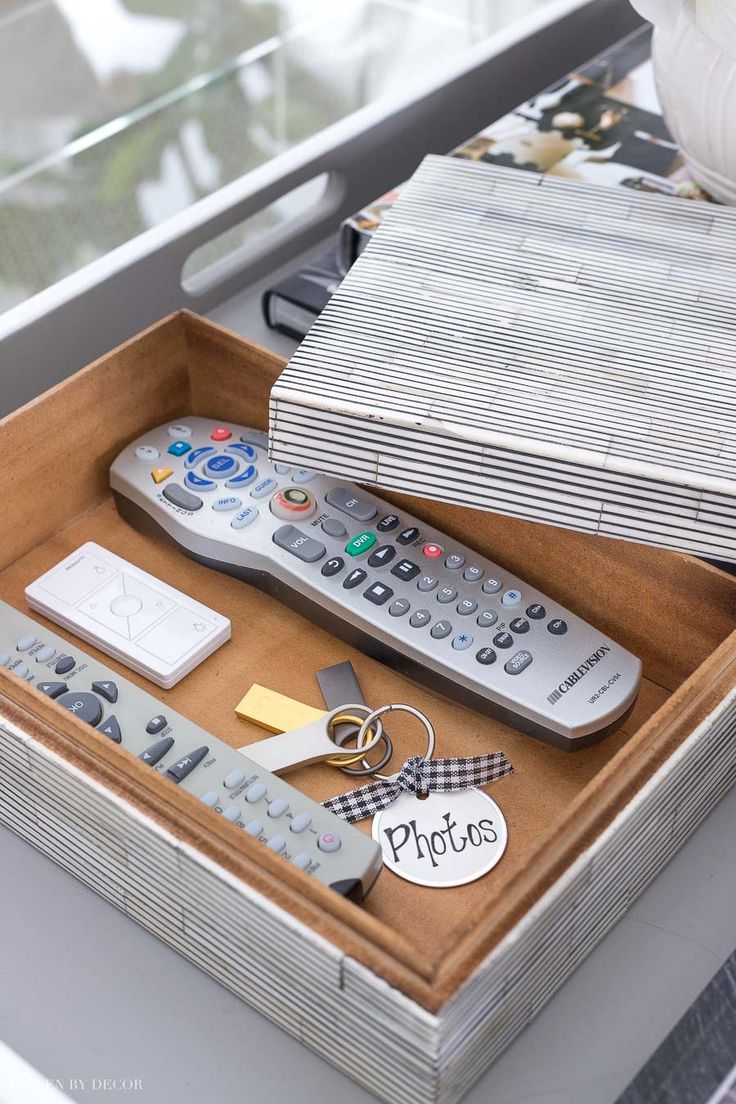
(151, 627)
(250, 797)
(400, 590)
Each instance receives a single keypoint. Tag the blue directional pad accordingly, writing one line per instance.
(219, 467)
(245, 452)
(197, 483)
(198, 454)
(247, 476)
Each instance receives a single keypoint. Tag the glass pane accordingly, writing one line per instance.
(117, 114)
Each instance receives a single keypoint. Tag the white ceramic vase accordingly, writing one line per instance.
(694, 55)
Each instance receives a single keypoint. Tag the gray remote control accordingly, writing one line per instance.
(403, 592)
(262, 804)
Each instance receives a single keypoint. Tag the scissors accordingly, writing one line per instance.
(316, 741)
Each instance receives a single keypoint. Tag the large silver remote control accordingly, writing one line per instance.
(265, 806)
(403, 592)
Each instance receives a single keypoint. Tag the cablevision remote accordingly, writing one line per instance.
(398, 589)
(264, 806)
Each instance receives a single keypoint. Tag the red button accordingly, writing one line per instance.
(220, 434)
(432, 551)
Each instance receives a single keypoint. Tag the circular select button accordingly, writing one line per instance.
(126, 605)
(293, 502)
(220, 466)
(83, 705)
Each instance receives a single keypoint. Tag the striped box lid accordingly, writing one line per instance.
(535, 346)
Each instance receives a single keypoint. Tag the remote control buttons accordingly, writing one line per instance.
(360, 509)
(156, 752)
(420, 618)
(5, 659)
(147, 452)
(536, 612)
(43, 655)
(466, 606)
(329, 842)
(243, 478)
(278, 807)
(557, 626)
(177, 496)
(473, 573)
(111, 729)
(245, 518)
(255, 437)
(232, 813)
(220, 466)
(21, 671)
(387, 523)
(518, 662)
(293, 502)
(519, 625)
(198, 454)
(354, 579)
(399, 607)
(299, 544)
(254, 828)
(303, 860)
(179, 431)
(406, 536)
(427, 583)
(333, 566)
(360, 544)
(462, 641)
(454, 561)
(486, 656)
(264, 488)
(334, 528)
(156, 724)
(125, 605)
(441, 629)
(245, 452)
(503, 640)
(492, 586)
(226, 504)
(302, 475)
(378, 593)
(486, 619)
(83, 705)
(382, 556)
(301, 822)
(446, 594)
(108, 690)
(233, 778)
(405, 570)
(197, 483)
(50, 689)
(255, 792)
(277, 844)
(25, 642)
(159, 474)
(179, 770)
(221, 433)
(65, 665)
(178, 448)
(209, 799)
(432, 551)
(511, 598)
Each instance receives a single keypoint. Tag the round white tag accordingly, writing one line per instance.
(445, 839)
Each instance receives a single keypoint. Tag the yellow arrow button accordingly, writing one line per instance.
(159, 474)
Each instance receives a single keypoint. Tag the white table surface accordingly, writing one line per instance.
(86, 993)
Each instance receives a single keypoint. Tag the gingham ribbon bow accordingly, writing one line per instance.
(420, 776)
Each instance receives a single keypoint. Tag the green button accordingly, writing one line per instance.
(360, 544)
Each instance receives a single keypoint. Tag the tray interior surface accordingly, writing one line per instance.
(671, 610)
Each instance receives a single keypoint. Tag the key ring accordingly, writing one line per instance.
(345, 764)
(398, 708)
(339, 741)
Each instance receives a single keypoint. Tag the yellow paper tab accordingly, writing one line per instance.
(275, 712)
